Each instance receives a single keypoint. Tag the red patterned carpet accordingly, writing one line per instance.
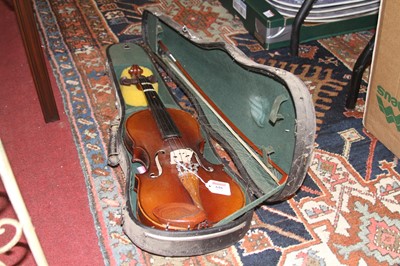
(45, 163)
(346, 213)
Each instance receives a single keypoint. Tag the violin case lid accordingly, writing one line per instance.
(269, 135)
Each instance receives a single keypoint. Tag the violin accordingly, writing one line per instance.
(177, 188)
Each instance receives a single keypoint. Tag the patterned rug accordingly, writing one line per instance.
(347, 211)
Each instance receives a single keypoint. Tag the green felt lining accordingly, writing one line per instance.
(242, 93)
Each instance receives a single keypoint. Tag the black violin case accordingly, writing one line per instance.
(271, 107)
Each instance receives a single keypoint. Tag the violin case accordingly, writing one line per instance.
(271, 107)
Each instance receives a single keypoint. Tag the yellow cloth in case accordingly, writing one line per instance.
(131, 94)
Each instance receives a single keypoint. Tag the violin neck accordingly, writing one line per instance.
(166, 125)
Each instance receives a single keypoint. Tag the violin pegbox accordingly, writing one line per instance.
(131, 93)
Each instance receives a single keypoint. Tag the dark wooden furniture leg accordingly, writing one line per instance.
(37, 63)
(297, 23)
(362, 62)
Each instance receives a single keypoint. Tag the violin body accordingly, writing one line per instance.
(174, 194)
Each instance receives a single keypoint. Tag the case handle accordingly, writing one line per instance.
(113, 158)
(274, 115)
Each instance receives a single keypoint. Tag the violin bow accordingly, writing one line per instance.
(235, 131)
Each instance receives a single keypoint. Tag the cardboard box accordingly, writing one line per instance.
(273, 30)
(382, 111)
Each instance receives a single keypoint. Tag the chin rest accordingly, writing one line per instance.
(181, 215)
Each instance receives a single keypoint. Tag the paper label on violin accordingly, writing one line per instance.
(218, 187)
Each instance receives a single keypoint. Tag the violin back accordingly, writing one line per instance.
(270, 108)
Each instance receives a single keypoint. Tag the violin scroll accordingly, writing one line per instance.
(135, 71)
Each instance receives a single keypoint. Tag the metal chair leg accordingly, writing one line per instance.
(24, 220)
(362, 62)
(297, 23)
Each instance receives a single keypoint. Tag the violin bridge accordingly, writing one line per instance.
(184, 156)
(181, 155)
